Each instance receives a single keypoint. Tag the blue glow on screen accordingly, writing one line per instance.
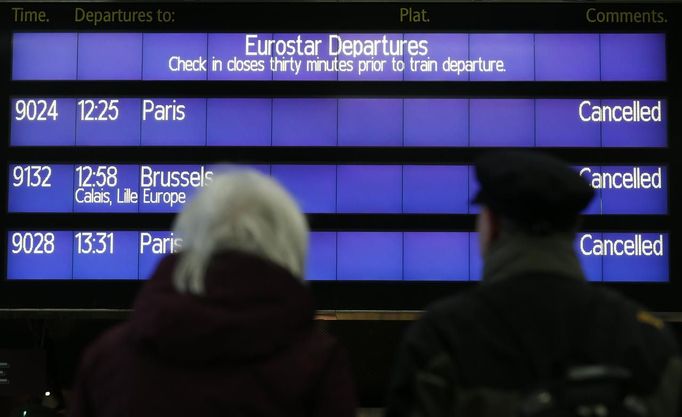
(44, 56)
(475, 258)
(436, 122)
(503, 122)
(120, 62)
(329, 122)
(376, 122)
(428, 189)
(94, 194)
(160, 47)
(630, 56)
(474, 187)
(313, 186)
(358, 185)
(29, 191)
(173, 122)
(635, 190)
(322, 257)
(515, 49)
(39, 255)
(526, 57)
(94, 128)
(557, 124)
(167, 188)
(59, 130)
(370, 122)
(435, 189)
(370, 256)
(619, 257)
(580, 49)
(118, 260)
(230, 47)
(304, 122)
(442, 47)
(345, 256)
(153, 246)
(650, 263)
(436, 256)
(639, 133)
(242, 121)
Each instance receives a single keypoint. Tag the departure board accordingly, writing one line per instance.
(370, 114)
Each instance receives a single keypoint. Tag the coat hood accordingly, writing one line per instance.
(251, 309)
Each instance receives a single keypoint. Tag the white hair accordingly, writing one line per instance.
(245, 211)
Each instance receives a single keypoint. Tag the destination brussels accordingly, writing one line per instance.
(152, 182)
(336, 46)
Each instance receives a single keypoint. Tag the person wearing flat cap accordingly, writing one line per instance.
(534, 338)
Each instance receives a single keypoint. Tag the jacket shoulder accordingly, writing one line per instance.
(645, 327)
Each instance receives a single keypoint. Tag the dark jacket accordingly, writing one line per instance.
(249, 347)
(533, 317)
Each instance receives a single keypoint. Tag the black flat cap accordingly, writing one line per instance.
(534, 190)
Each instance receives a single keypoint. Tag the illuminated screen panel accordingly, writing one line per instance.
(379, 189)
(371, 115)
(345, 122)
(342, 256)
(624, 257)
(340, 56)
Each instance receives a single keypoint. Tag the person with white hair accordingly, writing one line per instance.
(225, 326)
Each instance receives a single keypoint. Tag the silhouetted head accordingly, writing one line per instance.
(244, 211)
(530, 193)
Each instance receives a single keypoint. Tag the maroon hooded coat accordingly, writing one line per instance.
(249, 347)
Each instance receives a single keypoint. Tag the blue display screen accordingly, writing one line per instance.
(343, 122)
(410, 189)
(340, 56)
(342, 256)
(380, 129)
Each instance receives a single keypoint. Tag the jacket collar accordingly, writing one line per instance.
(251, 308)
(518, 254)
